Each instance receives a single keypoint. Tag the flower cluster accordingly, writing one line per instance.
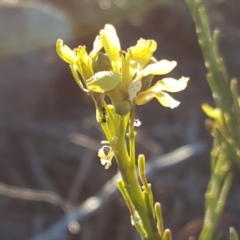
(124, 76)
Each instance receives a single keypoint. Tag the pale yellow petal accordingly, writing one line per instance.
(103, 81)
(97, 46)
(75, 74)
(101, 62)
(84, 69)
(82, 54)
(142, 52)
(164, 99)
(144, 97)
(170, 85)
(65, 53)
(126, 69)
(111, 44)
(159, 68)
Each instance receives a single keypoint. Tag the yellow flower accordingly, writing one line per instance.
(143, 51)
(137, 64)
(158, 91)
(124, 76)
(214, 113)
(65, 53)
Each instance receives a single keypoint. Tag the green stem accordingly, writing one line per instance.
(107, 132)
(217, 75)
(132, 136)
(129, 177)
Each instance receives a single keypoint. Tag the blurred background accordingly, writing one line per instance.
(52, 185)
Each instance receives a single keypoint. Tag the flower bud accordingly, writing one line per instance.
(101, 62)
(120, 99)
(123, 107)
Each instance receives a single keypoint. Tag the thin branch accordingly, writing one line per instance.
(35, 195)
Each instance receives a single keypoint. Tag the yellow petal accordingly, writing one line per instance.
(111, 44)
(144, 97)
(212, 112)
(126, 70)
(65, 53)
(164, 99)
(75, 74)
(142, 52)
(103, 81)
(171, 84)
(84, 69)
(159, 68)
(82, 54)
(97, 46)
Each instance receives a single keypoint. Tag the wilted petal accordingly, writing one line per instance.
(171, 84)
(143, 51)
(65, 53)
(137, 122)
(103, 81)
(104, 158)
(159, 68)
(134, 88)
(111, 43)
(102, 154)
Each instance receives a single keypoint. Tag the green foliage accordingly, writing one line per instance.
(225, 126)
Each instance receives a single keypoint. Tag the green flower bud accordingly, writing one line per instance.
(101, 62)
(122, 107)
(120, 99)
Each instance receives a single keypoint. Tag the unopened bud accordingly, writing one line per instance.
(123, 107)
